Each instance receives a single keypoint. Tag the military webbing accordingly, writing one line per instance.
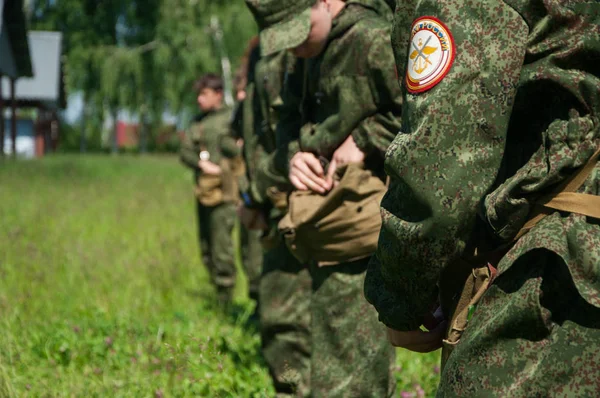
(484, 265)
(565, 198)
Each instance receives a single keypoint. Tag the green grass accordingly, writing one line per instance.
(102, 292)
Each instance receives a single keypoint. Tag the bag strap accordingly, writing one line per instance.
(580, 203)
(565, 198)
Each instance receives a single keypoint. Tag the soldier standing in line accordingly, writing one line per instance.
(206, 150)
(331, 149)
(285, 284)
(241, 127)
(493, 208)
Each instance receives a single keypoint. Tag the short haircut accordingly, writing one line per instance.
(211, 81)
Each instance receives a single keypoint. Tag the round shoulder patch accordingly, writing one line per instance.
(431, 54)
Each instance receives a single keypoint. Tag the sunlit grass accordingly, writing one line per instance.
(102, 292)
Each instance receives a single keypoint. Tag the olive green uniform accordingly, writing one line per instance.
(349, 89)
(215, 223)
(285, 284)
(484, 149)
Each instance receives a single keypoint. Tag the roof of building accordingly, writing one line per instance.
(46, 87)
(12, 22)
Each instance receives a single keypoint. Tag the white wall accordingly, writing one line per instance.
(25, 138)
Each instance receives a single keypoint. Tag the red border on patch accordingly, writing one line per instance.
(450, 62)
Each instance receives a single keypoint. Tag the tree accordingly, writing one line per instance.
(141, 56)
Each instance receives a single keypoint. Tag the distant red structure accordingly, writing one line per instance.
(128, 134)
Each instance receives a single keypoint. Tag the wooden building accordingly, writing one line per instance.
(42, 95)
(15, 62)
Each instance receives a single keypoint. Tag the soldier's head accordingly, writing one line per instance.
(209, 89)
(301, 26)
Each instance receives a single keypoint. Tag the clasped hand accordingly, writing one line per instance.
(307, 173)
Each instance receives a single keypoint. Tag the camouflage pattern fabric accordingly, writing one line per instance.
(515, 116)
(260, 114)
(532, 335)
(349, 89)
(283, 24)
(350, 353)
(284, 285)
(285, 322)
(279, 82)
(215, 229)
(252, 258)
(206, 133)
(215, 224)
(320, 336)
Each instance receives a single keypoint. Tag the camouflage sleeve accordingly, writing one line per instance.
(229, 146)
(273, 169)
(448, 155)
(270, 168)
(376, 132)
(188, 152)
(258, 162)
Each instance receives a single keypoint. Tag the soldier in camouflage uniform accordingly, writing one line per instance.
(496, 171)
(208, 137)
(348, 113)
(285, 284)
(242, 126)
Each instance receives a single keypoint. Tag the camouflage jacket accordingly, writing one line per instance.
(349, 89)
(258, 117)
(517, 113)
(210, 133)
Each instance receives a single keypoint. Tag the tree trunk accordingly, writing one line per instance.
(225, 63)
(82, 137)
(13, 117)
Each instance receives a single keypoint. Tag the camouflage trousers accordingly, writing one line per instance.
(532, 335)
(320, 336)
(215, 225)
(252, 259)
(285, 291)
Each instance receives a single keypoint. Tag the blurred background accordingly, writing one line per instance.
(110, 75)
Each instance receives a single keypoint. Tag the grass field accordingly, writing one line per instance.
(102, 292)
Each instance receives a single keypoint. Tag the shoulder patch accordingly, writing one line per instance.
(431, 54)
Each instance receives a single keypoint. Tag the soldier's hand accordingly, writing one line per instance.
(418, 340)
(252, 219)
(209, 167)
(306, 173)
(346, 153)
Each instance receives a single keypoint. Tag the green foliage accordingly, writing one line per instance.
(141, 56)
(102, 292)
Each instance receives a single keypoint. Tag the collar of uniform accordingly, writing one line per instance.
(352, 12)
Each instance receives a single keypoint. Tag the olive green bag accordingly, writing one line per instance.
(339, 227)
(212, 190)
(232, 170)
(209, 191)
